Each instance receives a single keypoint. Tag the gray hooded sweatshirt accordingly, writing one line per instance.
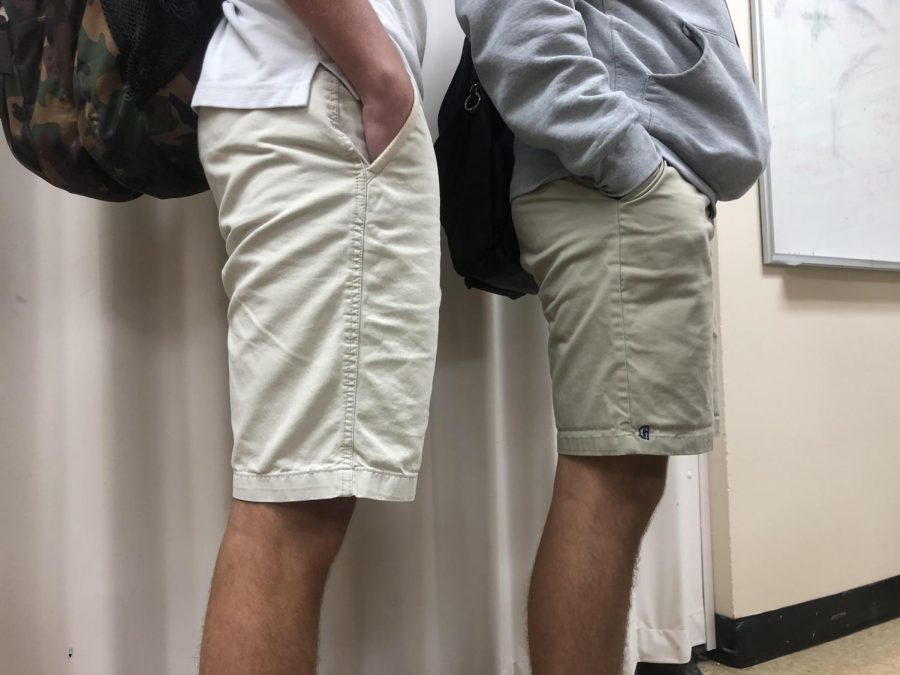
(606, 89)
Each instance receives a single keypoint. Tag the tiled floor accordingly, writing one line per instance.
(875, 651)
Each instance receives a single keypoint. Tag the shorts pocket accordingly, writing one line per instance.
(711, 116)
(385, 158)
(345, 114)
(347, 121)
(648, 186)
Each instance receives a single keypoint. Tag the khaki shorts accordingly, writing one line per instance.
(626, 288)
(333, 284)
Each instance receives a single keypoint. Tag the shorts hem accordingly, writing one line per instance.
(329, 484)
(604, 444)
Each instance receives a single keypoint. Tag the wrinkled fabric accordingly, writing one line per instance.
(333, 284)
(627, 290)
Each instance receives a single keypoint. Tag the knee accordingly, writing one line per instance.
(631, 484)
(313, 529)
(643, 480)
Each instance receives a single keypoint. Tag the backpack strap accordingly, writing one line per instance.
(5, 69)
(5, 50)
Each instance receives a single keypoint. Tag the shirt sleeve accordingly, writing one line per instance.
(535, 62)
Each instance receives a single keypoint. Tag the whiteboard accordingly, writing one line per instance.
(829, 72)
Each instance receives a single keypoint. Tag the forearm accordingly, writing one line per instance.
(352, 34)
(535, 62)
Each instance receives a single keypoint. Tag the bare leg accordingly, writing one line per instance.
(263, 613)
(581, 586)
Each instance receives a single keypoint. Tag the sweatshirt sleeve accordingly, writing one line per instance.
(535, 62)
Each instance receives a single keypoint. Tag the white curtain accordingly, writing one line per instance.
(115, 442)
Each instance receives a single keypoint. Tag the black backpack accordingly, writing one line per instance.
(475, 162)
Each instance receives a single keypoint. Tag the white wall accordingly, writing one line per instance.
(114, 429)
(804, 487)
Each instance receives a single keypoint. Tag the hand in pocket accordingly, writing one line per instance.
(385, 113)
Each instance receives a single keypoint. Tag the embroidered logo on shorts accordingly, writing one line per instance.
(644, 433)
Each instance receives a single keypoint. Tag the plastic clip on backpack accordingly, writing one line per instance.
(95, 95)
(475, 162)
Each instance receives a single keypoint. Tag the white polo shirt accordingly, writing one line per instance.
(262, 56)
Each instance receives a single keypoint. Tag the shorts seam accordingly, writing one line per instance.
(333, 103)
(290, 474)
(629, 451)
(336, 122)
(621, 434)
(324, 484)
(620, 444)
(362, 191)
(622, 312)
(353, 293)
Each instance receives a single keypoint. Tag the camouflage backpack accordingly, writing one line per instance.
(95, 94)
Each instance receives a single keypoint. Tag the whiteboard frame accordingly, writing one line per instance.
(767, 213)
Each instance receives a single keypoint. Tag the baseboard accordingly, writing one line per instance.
(689, 668)
(753, 639)
(667, 669)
